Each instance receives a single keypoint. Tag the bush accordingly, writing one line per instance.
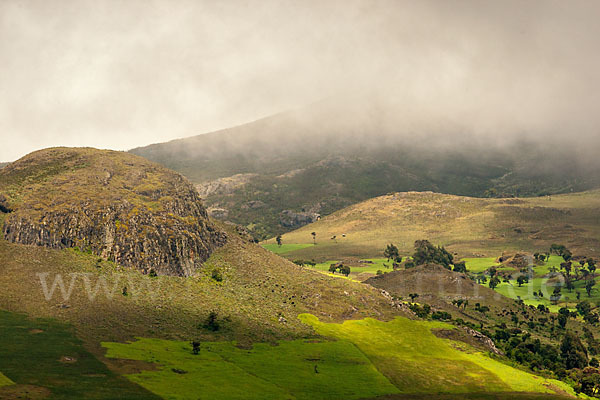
(441, 315)
(217, 275)
(212, 322)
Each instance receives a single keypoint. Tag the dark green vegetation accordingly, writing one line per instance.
(44, 358)
(531, 336)
(310, 162)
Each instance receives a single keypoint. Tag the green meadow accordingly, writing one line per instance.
(476, 265)
(285, 248)
(411, 356)
(299, 369)
(4, 381)
(363, 359)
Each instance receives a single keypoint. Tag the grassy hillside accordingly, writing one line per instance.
(470, 227)
(241, 301)
(44, 358)
(323, 157)
(368, 358)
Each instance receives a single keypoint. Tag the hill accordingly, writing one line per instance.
(240, 300)
(113, 204)
(281, 172)
(470, 227)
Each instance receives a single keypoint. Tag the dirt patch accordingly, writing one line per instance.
(29, 392)
(35, 331)
(126, 367)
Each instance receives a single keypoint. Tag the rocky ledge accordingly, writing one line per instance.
(118, 206)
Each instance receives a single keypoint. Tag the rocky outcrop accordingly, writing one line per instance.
(485, 341)
(225, 185)
(291, 219)
(115, 205)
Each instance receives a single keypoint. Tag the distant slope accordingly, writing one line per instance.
(326, 156)
(466, 225)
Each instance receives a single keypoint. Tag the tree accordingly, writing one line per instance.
(391, 252)
(460, 266)
(314, 236)
(589, 286)
(195, 348)
(573, 352)
(556, 295)
(279, 241)
(521, 280)
(584, 308)
(344, 269)
(562, 320)
(413, 296)
(212, 323)
(333, 268)
(425, 253)
(494, 281)
(152, 273)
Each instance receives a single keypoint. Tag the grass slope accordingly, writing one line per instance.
(297, 369)
(258, 299)
(44, 354)
(368, 358)
(468, 226)
(417, 361)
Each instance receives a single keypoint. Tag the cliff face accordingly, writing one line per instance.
(116, 205)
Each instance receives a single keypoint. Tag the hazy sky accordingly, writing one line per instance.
(121, 74)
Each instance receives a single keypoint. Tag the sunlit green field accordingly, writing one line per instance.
(477, 265)
(4, 381)
(300, 369)
(285, 248)
(367, 358)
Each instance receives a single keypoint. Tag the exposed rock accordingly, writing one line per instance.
(291, 219)
(253, 204)
(484, 340)
(113, 204)
(223, 185)
(217, 212)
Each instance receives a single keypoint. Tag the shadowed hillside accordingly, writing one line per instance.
(281, 172)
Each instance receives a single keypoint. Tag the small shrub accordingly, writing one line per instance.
(216, 275)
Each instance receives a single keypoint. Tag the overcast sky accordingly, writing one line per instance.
(122, 74)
